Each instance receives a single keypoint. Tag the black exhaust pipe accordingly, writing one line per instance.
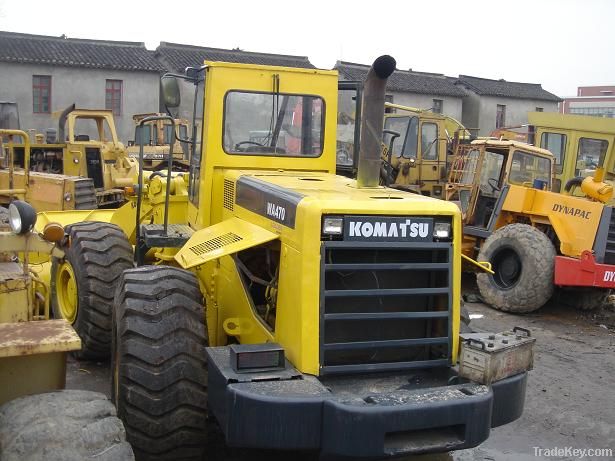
(62, 123)
(372, 121)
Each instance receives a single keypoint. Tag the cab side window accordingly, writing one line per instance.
(556, 144)
(590, 154)
(429, 141)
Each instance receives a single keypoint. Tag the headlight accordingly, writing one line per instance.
(22, 216)
(332, 226)
(442, 230)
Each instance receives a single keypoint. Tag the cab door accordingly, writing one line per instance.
(432, 158)
(558, 142)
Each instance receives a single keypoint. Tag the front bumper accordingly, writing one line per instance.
(363, 416)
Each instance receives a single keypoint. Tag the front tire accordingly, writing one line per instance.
(83, 283)
(159, 366)
(60, 426)
(523, 259)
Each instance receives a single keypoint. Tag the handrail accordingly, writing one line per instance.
(26, 156)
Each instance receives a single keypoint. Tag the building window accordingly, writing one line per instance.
(113, 96)
(388, 98)
(437, 106)
(500, 116)
(41, 94)
(539, 109)
(608, 112)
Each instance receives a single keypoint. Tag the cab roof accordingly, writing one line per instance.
(515, 144)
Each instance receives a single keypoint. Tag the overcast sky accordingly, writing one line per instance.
(560, 44)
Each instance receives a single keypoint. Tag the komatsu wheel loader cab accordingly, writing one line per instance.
(301, 310)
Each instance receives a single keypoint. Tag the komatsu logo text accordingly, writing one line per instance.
(576, 212)
(382, 229)
(388, 229)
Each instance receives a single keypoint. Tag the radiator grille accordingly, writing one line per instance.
(385, 306)
(229, 194)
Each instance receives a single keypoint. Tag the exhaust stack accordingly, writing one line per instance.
(62, 123)
(372, 120)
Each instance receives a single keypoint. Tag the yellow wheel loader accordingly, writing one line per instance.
(298, 309)
(417, 144)
(86, 146)
(39, 420)
(45, 191)
(155, 136)
(536, 241)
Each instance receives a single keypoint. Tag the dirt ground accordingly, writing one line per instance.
(570, 398)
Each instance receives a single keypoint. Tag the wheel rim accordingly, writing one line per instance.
(66, 287)
(507, 266)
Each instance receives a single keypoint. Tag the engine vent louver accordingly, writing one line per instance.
(215, 243)
(229, 194)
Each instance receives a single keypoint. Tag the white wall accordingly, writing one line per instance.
(84, 87)
(451, 105)
(516, 111)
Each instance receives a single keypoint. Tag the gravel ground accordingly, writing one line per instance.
(570, 397)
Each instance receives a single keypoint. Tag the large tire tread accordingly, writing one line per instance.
(535, 285)
(159, 342)
(68, 425)
(99, 253)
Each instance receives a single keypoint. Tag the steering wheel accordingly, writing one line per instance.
(493, 182)
(252, 143)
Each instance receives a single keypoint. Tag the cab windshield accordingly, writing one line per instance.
(92, 129)
(273, 124)
(407, 127)
(526, 168)
(143, 134)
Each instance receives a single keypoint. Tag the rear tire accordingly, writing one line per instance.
(62, 426)
(159, 367)
(523, 259)
(83, 284)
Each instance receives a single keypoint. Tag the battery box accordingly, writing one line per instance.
(487, 357)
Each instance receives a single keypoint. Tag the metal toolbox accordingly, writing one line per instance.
(487, 357)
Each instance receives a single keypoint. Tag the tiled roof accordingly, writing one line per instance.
(72, 52)
(178, 57)
(405, 81)
(487, 87)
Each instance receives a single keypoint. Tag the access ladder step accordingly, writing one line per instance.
(176, 236)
